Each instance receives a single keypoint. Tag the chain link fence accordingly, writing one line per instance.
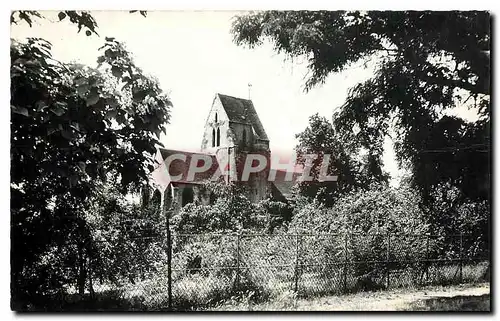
(207, 269)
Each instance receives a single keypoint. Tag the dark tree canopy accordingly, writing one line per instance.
(427, 63)
(73, 129)
(353, 170)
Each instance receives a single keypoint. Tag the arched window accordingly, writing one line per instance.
(244, 138)
(218, 137)
(187, 196)
(216, 117)
(213, 137)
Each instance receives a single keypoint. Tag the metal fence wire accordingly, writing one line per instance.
(209, 268)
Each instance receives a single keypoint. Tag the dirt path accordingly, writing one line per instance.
(459, 297)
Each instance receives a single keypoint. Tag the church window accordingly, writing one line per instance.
(213, 137)
(216, 117)
(187, 196)
(218, 137)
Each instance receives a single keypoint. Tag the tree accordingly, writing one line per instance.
(72, 126)
(427, 63)
(127, 239)
(362, 222)
(320, 138)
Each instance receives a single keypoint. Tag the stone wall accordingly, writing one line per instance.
(236, 139)
(226, 136)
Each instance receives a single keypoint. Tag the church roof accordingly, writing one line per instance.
(281, 183)
(181, 167)
(243, 111)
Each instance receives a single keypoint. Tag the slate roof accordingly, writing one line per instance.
(281, 183)
(242, 110)
(180, 167)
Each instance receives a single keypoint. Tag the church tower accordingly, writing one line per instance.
(232, 131)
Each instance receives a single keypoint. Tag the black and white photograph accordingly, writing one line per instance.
(250, 161)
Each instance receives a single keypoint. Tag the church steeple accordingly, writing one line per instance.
(232, 131)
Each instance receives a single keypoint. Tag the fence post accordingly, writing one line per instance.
(297, 258)
(166, 213)
(427, 261)
(461, 257)
(345, 264)
(237, 285)
(169, 263)
(387, 260)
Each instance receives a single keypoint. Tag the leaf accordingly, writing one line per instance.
(73, 180)
(113, 102)
(61, 15)
(120, 118)
(20, 110)
(82, 166)
(41, 105)
(111, 114)
(75, 126)
(111, 54)
(92, 98)
(139, 95)
(80, 81)
(82, 90)
(67, 134)
(157, 132)
(51, 130)
(59, 108)
(116, 71)
(26, 18)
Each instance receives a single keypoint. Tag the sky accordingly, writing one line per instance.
(193, 56)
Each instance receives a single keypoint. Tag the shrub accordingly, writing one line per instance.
(207, 254)
(453, 214)
(278, 213)
(232, 213)
(361, 226)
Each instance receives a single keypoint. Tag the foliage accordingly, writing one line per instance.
(427, 63)
(71, 127)
(380, 209)
(231, 211)
(455, 214)
(127, 239)
(82, 19)
(278, 213)
(201, 254)
(320, 138)
(362, 223)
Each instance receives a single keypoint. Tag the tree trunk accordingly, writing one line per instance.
(82, 273)
(91, 285)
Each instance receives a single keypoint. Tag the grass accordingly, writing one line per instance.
(457, 303)
(464, 297)
(269, 289)
(276, 286)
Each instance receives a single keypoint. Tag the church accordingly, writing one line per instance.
(232, 131)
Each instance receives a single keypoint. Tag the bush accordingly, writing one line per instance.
(206, 254)
(232, 213)
(454, 214)
(278, 213)
(361, 226)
